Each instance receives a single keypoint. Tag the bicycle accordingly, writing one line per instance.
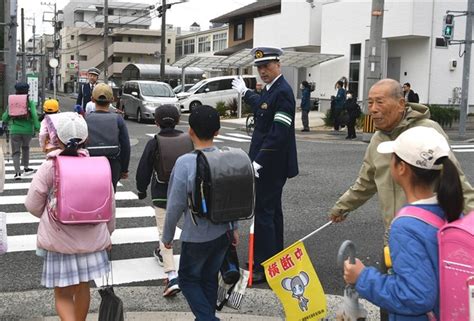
(250, 124)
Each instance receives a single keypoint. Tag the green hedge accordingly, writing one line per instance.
(445, 116)
(329, 122)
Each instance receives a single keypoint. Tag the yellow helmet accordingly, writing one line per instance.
(51, 106)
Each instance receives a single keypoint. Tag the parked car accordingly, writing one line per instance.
(140, 98)
(212, 90)
(177, 89)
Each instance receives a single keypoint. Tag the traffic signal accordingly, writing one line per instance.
(160, 9)
(448, 26)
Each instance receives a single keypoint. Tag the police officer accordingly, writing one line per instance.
(85, 92)
(272, 151)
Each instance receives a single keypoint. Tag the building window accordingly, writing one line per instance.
(354, 68)
(129, 59)
(441, 43)
(219, 41)
(82, 58)
(204, 44)
(239, 31)
(168, 60)
(72, 37)
(188, 46)
(179, 49)
(110, 12)
(72, 57)
(169, 41)
(129, 39)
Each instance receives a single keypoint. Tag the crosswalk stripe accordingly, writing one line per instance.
(20, 243)
(136, 270)
(32, 161)
(23, 177)
(17, 186)
(247, 137)
(120, 212)
(463, 146)
(463, 150)
(20, 199)
(11, 168)
(232, 138)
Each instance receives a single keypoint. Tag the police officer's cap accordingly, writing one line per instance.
(93, 71)
(264, 55)
(22, 87)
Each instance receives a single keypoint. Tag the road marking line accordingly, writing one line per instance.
(20, 199)
(18, 186)
(32, 161)
(463, 150)
(20, 243)
(12, 168)
(247, 137)
(233, 139)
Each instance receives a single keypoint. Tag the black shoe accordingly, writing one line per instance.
(28, 171)
(348, 137)
(258, 277)
(158, 256)
(305, 130)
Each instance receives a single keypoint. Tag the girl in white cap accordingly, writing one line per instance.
(420, 164)
(74, 254)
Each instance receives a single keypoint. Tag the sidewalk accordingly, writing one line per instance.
(146, 303)
(320, 132)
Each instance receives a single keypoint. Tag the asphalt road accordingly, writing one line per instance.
(327, 169)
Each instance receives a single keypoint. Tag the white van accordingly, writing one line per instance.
(140, 98)
(212, 90)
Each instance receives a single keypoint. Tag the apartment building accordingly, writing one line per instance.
(203, 43)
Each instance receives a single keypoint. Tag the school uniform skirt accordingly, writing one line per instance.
(61, 270)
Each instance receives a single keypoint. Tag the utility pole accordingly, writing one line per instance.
(11, 62)
(23, 49)
(34, 45)
(463, 108)
(163, 42)
(373, 59)
(106, 40)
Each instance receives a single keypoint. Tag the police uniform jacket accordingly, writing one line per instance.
(273, 141)
(84, 96)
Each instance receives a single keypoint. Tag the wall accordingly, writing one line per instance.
(248, 29)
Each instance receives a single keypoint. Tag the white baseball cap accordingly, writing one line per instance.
(418, 146)
(71, 125)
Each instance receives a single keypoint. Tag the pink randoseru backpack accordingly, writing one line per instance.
(18, 106)
(456, 263)
(83, 190)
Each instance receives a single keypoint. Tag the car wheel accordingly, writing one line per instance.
(139, 116)
(193, 105)
(125, 116)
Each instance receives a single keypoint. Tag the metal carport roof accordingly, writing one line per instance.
(243, 58)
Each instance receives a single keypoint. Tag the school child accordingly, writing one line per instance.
(74, 254)
(419, 161)
(47, 134)
(166, 118)
(22, 128)
(204, 244)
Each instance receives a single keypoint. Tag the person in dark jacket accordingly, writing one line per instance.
(353, 111)
(166, 118)
(305, 104)
(85, 92)
(410, 95)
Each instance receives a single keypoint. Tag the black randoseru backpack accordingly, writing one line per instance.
(224, 188)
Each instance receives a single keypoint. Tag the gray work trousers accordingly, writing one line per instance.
(20, 145)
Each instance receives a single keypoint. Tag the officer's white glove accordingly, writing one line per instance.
(239, 85)
(256, 167)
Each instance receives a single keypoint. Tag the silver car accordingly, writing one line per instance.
(140, 98)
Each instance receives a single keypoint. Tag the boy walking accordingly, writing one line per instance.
(108, 134)
(204, 244)
(157, 157)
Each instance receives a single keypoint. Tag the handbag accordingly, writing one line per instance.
(232, 295)
(3, 233)
(111, 306)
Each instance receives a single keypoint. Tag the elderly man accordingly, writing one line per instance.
(392, 116)
(272, 150)
(85, 92)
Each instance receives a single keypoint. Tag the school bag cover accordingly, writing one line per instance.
(18, 106)
(224, 188)
(103, 139)
(456, 263)
(169, 148)
(82, 191)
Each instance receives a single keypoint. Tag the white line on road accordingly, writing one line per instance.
(247, 137)
(32, 161)
(232, 138)
(17, 186)
(11, 168)
(462, 146)
(20, 243)
(463, 150)
(20, 199)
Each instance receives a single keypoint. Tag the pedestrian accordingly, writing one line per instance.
(410, 95)
(73, 254)
(204, 244)
(85, 91)
(272, 151)
(392, 116)
(305, 104)
(47, 135)
(108, 134)
(353, 111)
(419, 160)
(166, 118)
(339, 100)
(22, 130)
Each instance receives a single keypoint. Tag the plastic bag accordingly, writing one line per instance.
(231, 295)
(3, 233)
(111, 306)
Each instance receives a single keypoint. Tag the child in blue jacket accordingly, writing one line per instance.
(419, 161)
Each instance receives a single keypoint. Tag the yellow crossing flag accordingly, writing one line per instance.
(292, 277)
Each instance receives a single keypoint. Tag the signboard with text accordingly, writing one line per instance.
(32, 80)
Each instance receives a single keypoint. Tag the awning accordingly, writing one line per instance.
(242, 59)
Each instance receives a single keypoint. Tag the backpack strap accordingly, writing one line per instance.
(421, 214)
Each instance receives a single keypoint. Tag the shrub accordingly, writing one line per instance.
(445, 116)
(221, 108)
(329, 122)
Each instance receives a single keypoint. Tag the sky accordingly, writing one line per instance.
(180, 15)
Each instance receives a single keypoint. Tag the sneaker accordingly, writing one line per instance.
(17, 176)
(171, 288)
(158, 256)
(28, 171)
